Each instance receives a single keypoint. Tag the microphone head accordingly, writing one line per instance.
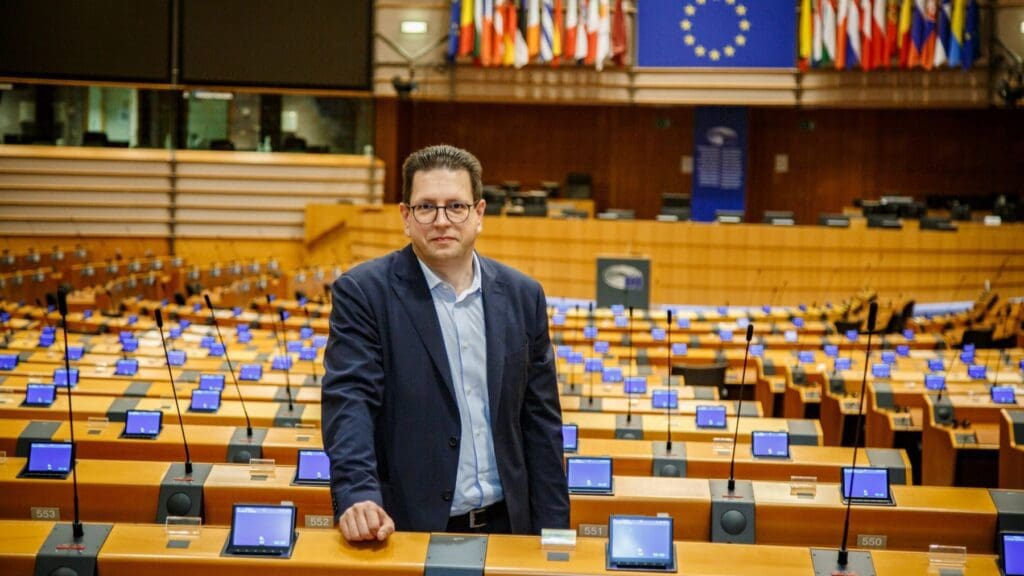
(208, 303)
(62, 302)
(669, 314)
(750, 332)
(280, 312)
(872, 316)
(630, 311)
(159, 318)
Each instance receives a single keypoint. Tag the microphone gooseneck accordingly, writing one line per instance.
(668, 412)
(739, 408)
(158, 316)
(231, 369)
(77, 530)
(843, 556)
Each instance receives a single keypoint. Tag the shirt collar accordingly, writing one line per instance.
(433, 280)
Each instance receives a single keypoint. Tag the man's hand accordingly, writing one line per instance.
(366, 521)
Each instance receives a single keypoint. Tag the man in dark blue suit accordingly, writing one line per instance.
(440, 403)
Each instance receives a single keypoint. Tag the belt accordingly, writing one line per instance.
(477, 518)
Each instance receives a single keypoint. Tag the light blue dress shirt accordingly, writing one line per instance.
(465, 340)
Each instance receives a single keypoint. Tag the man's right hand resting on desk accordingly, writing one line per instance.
(366, 521)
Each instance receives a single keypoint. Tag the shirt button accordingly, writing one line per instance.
(453, 441)
(446, 495)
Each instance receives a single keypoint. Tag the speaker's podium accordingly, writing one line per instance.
(623, 280)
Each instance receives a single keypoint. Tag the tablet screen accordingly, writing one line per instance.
(663, 398)
(640, 542)
(293, 346)
(934, 381)
(611, 375)
(40, 394)
(1013, 553)
(216, 350)
(251, 372)
(260, 529)
(307, 353)
(805, 357)
(831, 350)
(635, 385)
(176, 357)
(8, 361)
(770, 444)
(790, 336)
(757, 350)
(205, 400)
(843, 364)
(313, 466)
(129, 345)
(570, 437)
(851, 335)
(710, 416)
(902, 350)
(146, 423)
(881, 370)
(976, 372)
(888, 356)
(207, 341)
(126, 367)
(60, 377)
(589, 474)
(936, 365)
(1003, 395)
(281, 363)
(49, 458)
(211, 381)
(593, 365)
(869, 485)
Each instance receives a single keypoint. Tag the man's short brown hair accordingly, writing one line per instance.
(442, 156)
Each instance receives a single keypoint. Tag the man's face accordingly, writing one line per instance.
(442, 241)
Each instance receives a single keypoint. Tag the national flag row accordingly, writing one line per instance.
(517, 32)
(870, 34)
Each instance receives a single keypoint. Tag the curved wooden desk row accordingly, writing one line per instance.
(132, 549)
(922, 515)
(644, 324)
(262, 414)
(630, 457)
(684, 428)
(776, 342)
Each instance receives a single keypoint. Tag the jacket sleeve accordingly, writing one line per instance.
(541, 425)
(351, 396)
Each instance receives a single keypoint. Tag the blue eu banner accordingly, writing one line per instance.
(716, 33)
(720, 160)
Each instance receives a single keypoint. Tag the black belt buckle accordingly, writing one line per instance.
(478, 518)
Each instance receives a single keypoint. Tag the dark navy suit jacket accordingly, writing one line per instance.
(390, 420)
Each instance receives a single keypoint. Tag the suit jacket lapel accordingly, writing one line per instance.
(410, 287)
(496, 307)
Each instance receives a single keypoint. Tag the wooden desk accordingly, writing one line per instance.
(711, 460)
(133, 549)
(207, 443)
(684, 428)
(262, 414)
(1011, 449)
(961, 456)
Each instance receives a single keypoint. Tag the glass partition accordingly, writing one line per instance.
(111, 116)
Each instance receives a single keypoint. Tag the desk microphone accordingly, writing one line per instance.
(231, 369)
(159, 317)
(949, 372)
(287, 357)
(843, 558)
(629, 390)
(630, 365)
(77, 530)
(312, 363)
(739, 409)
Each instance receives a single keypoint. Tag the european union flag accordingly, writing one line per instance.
(716, 33)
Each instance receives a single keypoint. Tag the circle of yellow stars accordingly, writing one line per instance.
(715, 53)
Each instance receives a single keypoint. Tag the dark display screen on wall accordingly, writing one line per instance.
(295, 43)
(126, 40)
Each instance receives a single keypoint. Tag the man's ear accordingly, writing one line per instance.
(404, 211)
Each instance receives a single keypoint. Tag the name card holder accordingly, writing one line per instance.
(803, 486)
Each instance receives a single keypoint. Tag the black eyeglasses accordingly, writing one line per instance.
(456, 212)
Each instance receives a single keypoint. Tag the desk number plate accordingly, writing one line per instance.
(319, 521)
(594, 530)
(871, 541)
(37, 513)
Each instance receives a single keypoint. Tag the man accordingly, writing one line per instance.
(440, 403)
